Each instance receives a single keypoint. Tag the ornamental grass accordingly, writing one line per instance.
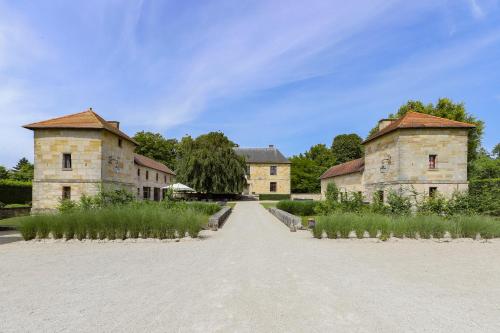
(120, 222)
(344, 225)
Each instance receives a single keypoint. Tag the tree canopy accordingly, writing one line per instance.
(155, 146)
(23, 171)
(209, 164)
(347, 147)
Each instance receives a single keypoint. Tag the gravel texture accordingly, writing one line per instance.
(253, 275)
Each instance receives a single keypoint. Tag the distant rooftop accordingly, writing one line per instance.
(345, 168)
(262, 155)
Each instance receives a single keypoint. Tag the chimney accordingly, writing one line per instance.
(114, 123)
(271, 146)
(383, 123)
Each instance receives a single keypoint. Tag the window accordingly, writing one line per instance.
(380, 195)
(120, 143)
(138, 172)
(165, 179)
(66, 193)
(66, 161)
(157, 177)
(147, 174)
(272, 186)
(432, 161)
(146, 192)
(138, 192)
(273, 170)
(432, 191)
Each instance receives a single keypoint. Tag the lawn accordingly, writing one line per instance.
(269, 204)
(11, 221)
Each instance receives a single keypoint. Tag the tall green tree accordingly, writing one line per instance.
(448, 109)
(496, 151)
(347, 147)
(155, 146)
(210, 165)
(4, 173)
(321, 155)
(23, 170)
(305, 174)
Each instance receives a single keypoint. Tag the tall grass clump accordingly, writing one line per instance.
(117, 222)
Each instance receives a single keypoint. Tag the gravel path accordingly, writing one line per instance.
(252, 275)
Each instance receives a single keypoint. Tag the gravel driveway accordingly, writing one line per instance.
(252, 275)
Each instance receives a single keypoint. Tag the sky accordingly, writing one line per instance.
(288, 73)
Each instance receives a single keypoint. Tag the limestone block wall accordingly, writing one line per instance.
(46, 195)
(117, 162)
(260, 179)
(141, 181)
(345, 183)
(382, 159)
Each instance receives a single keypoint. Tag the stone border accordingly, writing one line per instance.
(217, 220)
(291, 221)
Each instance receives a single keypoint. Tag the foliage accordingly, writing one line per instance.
(274, 196)
(14, 205)
(304, 175)
(300, 208)
(485, 167)
(15, 191)
(347, 147)
(155, 146)
(119, 222)
(209, 164)
(321, 155)
(340, 225)
(105, 198)
(398, 203)
(23, 171)
(495, 153)
(4, 173)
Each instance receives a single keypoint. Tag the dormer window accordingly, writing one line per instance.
(432, 161)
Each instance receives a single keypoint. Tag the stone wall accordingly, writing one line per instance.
(118, 162)
(260, 179)
(142, 182)
(345, 183)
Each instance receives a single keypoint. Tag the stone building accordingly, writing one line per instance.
(82, 153)
(268, 171)
(417, 153)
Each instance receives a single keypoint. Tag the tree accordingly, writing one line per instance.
(305, 174)
(4, 173)
(347, 147)
(485, 166)
(496, 151)
(446, 108)
(155, 146)
(321, 155)
(209, 164)
(23, 171)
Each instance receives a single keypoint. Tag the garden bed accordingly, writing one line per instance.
(120, 222)
(345, 225)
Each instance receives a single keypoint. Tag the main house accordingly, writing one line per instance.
(268, 171)
(415, 153)
(81, 153)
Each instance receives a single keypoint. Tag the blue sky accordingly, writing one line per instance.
(289, 73)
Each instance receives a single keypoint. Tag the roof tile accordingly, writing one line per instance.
(150, 163)
(345, 168)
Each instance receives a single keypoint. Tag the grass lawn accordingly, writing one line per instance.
(269, 204)
(11, 222)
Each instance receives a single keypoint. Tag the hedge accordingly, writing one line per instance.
(14, 191)
(274, 196)
(301, 208)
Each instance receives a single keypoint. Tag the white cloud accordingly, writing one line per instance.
(476, 10)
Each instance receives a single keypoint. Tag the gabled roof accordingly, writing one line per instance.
(262, 155)
(419, 120)
(150, 163)
(82, 120)
(345, 168)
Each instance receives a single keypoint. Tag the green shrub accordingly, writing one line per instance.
(398, 203)
(301, 208)
(28, 228)
(274, 196)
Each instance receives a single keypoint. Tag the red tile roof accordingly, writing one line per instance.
(150, 163)
(85, 119)
(419, 120)
(345, 168)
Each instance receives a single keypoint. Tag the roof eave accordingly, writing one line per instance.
(375, 136)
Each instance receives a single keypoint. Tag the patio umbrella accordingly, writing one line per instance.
(178, 187)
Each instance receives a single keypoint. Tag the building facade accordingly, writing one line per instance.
(83, 153)
(268, 171)
(416, 154)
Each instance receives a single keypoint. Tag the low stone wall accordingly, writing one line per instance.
(217, 220)
(306, 196)
(13, 212)
(292, 221)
